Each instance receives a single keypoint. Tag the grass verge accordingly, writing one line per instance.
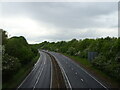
(20, 76)
(102, 76)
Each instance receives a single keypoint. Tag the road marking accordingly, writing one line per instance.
(95, 79)
(51, 69)
(45, 58)
(76, 73)
(64, 73)
(85, 71)
(89, 74)
(81, 79)
(40, 73)
(44, 62)
(38, 60)
(35, 66)
(38, 78)
(27, 75)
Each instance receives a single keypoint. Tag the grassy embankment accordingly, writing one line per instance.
(21, 74)
(102, 76)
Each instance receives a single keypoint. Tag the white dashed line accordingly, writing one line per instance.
(40, 73)
(64, 75)
(29, 74)
(76, 73)
(82, 80)
(89, 74)
(44, 62)
(38, 79)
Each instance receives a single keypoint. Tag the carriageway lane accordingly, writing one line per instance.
(40, 76)
(45, 79)
(78, 77)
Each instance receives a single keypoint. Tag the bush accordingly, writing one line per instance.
(10, 65)
(18, 47)
(108, 50)
(110, 67)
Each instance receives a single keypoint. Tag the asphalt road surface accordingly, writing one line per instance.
(77, 76)
(74, 75)
(40, 76)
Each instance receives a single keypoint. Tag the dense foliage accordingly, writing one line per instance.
(18, 47)
(16, 53)
(108, 49)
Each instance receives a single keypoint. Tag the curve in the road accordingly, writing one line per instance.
(77, 76)
(40, 76)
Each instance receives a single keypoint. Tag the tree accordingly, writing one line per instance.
(10, 65)
(18, 47)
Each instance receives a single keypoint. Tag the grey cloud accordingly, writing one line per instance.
(75, 16)
(70, 34)
(66, 15)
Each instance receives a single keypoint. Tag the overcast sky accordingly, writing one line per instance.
(38, 21)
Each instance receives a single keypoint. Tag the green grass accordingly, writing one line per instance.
(102, 75)
(20, 76)
(82, 61)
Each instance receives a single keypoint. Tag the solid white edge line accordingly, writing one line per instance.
(24, 80)
(51, 72)
(64, 73)
(27, 76)
(87, 73)
(38, 78)
(94, 78)
(40, 73)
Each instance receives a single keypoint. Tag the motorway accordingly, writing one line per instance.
(74, 75)
(40, 76)
(77, 76)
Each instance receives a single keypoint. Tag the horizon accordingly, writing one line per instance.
(62, 40)
(59, 21)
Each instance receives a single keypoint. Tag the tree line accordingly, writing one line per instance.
(16, 53)
(108, 49)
